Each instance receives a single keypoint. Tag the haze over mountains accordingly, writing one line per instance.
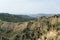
(33, 15)
(19, 18)
(40, 15)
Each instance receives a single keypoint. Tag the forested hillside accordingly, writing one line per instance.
(14, 18)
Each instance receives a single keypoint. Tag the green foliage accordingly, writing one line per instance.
(56, 26)
(15, 18)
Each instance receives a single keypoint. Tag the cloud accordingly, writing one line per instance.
(30, 6)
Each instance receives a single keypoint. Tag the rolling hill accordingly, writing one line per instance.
(44, 28)
(14, 18)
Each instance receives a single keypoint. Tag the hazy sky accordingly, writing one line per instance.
(30, 6)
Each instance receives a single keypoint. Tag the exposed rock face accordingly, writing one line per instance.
(13, 26)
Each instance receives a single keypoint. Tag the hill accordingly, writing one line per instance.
(44, 28)
(14, 18)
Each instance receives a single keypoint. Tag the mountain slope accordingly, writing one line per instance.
(14, 18)
(45, 28)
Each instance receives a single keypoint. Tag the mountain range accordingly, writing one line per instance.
(14, 18)
(40, 15)
(26, 27)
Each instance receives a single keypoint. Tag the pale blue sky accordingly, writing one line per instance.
(30, 6)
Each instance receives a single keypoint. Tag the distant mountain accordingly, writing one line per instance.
(14, 18)
(40, 15)
(20, 18)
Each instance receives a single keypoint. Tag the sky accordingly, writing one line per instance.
(29, 6)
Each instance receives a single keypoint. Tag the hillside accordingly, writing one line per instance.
(14, 18)
(44, 28)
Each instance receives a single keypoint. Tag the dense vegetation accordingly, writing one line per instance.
(44, 28)
(14, 18)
